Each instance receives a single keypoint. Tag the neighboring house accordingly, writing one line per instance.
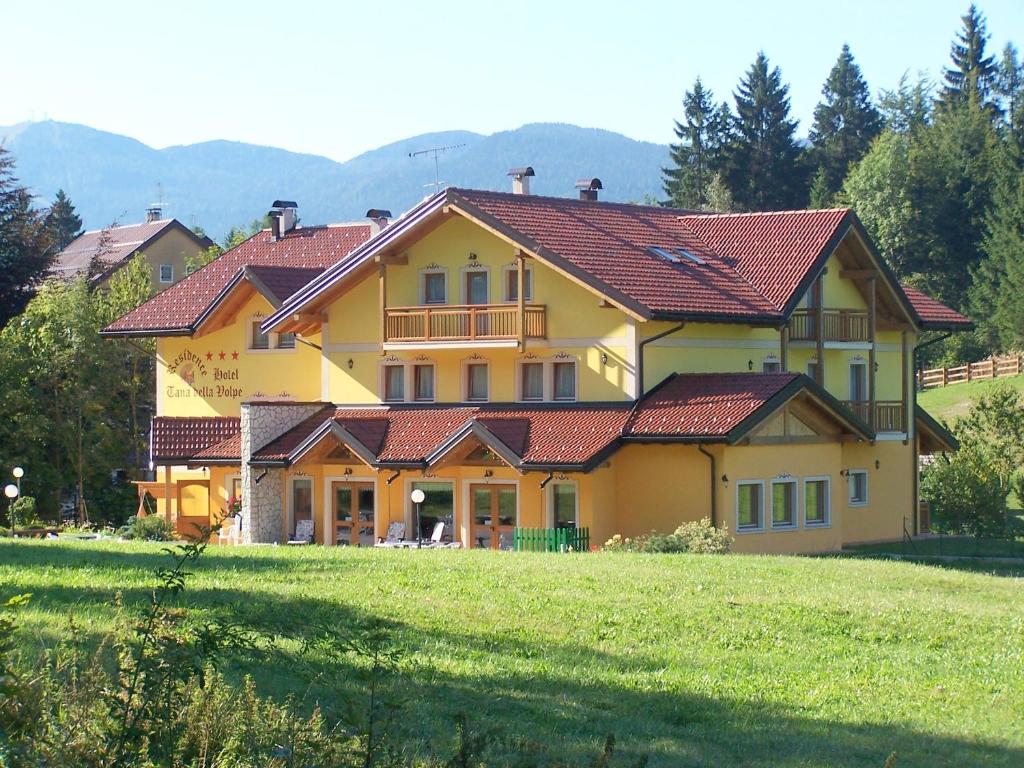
(546, 362)
(166, 244)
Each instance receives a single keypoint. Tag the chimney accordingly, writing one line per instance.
(154, 213)
(521, 180)
(588, 189)
(379, 217)
(289, 212)
(275, 225)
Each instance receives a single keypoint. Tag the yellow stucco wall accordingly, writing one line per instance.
(172, 248)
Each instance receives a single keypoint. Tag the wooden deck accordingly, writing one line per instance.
(463, 322)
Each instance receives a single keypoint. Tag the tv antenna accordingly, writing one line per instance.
(434, 152)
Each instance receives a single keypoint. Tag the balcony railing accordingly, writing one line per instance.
(839, 325)
(885, 416)
(463, 322)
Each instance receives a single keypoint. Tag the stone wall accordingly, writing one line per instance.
(263, 487)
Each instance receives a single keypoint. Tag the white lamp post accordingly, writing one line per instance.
(18, 473)
(417, 497)
(11, 492)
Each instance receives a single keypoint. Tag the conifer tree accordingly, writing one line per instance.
(698, 155)
(25, 248)
(845, 123)
(764, 163)
(973, 73)
(1009, 87)
(64, 224)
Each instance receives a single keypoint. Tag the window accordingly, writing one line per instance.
(858, 382)
(302, 502)
(771, 366)
(437, 507)
(783, 503)
(812, 369)
(816, 501)
(286, 341)
(258, 339)
(532, 381)
(749, 506)
(476, 382)
(476, 286)
(858, 480)
(563, 505)
(394, 383)
(512, 284)
(435, 288)
(565, 381)
(166, 273)
(423, 382)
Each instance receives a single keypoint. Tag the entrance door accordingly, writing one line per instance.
(493, 510)
(353, 513)
(476, 293)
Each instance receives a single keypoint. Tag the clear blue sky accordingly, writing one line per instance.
(340, 78)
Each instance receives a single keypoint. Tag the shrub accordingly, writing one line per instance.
(148, 528)
(699, 537)
(23, 512)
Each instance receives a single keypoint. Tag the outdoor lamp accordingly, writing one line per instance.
(11, 492)
(18, 473)
(417, 497)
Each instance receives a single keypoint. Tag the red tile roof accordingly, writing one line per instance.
(698, 407)
(934, 313)
(227, 451)
(116, 244)
(181, 305)
(179, 438)
(281, 282)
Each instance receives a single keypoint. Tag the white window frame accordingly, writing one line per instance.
(796, 503)
(549, 497)
(505, 295)
(170, 279)
(771, 360)
(465, 380)
(827, 522)
(410, 506)
(464, 272)
(849, 488)
(762, 511)
(273, 339)
(548, 367)
(382, 384)
(849, 382)
(229, 482)
(410, 380)
(812, 362)
(422, 285)
(290, 531)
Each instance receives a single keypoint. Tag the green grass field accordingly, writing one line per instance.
(694, 660)
(955, 400)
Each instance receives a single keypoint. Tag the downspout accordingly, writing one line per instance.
(640, 360)
(714, 479)
(546, 480)
(919, 347)
(394, 477)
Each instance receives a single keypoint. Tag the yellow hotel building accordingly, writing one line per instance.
(541, 362)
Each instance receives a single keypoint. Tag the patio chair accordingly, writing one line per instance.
(303, 532)
(230, 530)
(395, 537)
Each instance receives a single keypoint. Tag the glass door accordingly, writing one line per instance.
(353, 513)
(493, 510)
(476, 293)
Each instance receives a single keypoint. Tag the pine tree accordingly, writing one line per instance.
(973, 73)
(64, 224)
(845, 123)
(25, 248)
(908, 107)
(764, 164)
(1009, 86)
(698, 155)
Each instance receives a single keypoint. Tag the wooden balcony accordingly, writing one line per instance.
(885, 416)
(462, 322)
(838, 325)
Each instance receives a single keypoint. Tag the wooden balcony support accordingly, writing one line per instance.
(465, 322)
(521, 297)
(872, 306)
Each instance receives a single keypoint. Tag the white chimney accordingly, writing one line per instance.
(289, 215)
(521, 180)
(379, 218)
(154, 213)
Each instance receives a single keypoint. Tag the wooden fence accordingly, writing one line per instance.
(551, 539)
(993, 368)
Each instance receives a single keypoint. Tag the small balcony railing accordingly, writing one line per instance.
(463, 322)
(838, 325)
(882, 415)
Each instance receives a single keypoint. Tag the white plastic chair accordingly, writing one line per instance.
(303, 532)
(230, 529)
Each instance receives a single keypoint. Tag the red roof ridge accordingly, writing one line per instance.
(751, 214)
(603, 204)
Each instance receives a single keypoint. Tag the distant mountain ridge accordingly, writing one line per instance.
(220, 184)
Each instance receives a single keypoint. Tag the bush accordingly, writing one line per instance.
(698, 536)
(148, 528)
(113, 503)
(965, 493)
(23, 512)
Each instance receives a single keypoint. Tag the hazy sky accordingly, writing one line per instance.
(340, 78)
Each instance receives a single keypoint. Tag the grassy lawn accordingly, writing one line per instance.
(955, 400)
(694, 660)
(1004, 557)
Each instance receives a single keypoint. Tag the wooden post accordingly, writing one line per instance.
(521, 297)
(819, 369)
(784, 348)
(872, 307)
(382, 284)
(905, 381)
(167, 494)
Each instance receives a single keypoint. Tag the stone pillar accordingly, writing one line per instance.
(263, 487)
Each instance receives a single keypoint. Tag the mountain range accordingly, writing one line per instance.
(220, 184)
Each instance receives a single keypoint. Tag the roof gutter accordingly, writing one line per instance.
(640, 357)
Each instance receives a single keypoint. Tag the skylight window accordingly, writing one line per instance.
(676, 255)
